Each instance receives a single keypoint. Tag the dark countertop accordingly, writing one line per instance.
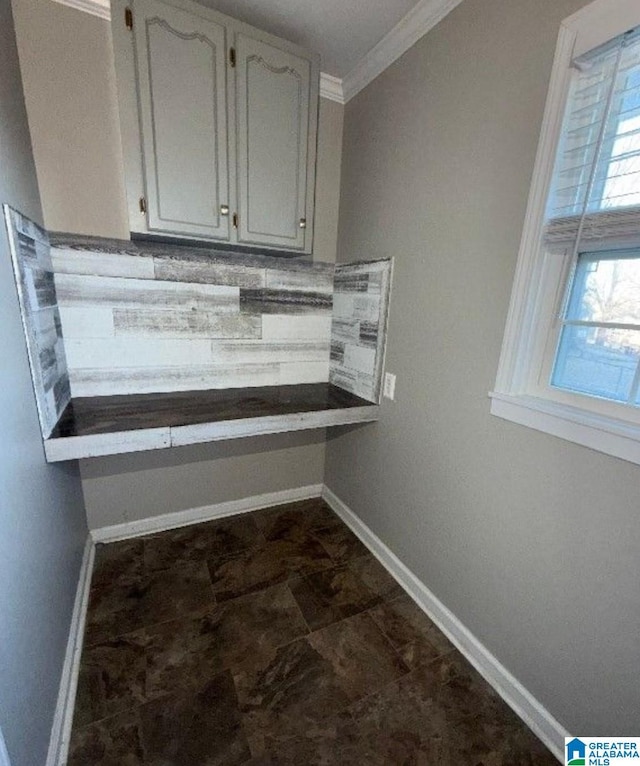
(111, 414)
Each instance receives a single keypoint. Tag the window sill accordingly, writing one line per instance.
(598, 432)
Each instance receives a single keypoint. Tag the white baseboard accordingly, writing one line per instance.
(524, 704)
(4, 755)
(63, 716)
(204, 513)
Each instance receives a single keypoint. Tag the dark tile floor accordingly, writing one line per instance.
(275, 638)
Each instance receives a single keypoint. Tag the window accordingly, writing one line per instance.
(597, 160)
(598, 352)
(570, 362)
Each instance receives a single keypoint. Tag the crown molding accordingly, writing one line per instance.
(99, 8)
(420, 19)
(331, 88)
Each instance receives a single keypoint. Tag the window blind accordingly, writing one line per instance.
(595, 190)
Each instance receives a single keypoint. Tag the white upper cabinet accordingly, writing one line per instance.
(183, 119)
(272, 96)
(219, 126)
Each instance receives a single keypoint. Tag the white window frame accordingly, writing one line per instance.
(520, 394)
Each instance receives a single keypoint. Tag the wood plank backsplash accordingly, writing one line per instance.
(30, 253)
(358, 333)
(143, 318)
(147, 318)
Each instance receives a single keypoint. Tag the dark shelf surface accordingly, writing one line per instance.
(111, 414)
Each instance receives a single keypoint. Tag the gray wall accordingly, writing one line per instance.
(123, 488)
(42, 525)
(530, 540)
(325, 232)
(66, 58)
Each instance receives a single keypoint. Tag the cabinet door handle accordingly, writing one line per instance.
(303, 223)
(224, 209)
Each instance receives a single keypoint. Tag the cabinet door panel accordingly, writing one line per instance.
(181, 61)
(272, 108)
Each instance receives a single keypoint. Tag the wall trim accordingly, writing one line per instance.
(597, 432)
(522, 702)
(421, 19)
(331, 88)
(519, 335)
(63, 716)
(203, 513)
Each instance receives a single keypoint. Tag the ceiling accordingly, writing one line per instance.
(341, 32)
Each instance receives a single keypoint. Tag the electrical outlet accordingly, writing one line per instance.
(389, 388)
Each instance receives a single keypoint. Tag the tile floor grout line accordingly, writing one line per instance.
(410, 671)
(395, 648)
(194, 615)
(295, 601)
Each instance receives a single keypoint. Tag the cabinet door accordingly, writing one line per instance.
(272, 113)
(181, 72)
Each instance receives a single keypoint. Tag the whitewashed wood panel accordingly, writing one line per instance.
(29, 246)
(307, 280)
(68, 260)
(359, 359)
(75, 447)
(46, 328)
(265, 352)
(185, 324)
(378, 281)
(136, 352)
(356, 306)
(272, 424)
(39, 288)
(362, 276)
(95, 445)
(345, 330)
(358, 334)
(99, 382)
(293, 327)
(358, 383)
(86, 322)
(82, 290)
(48, 366)
(204, 270)
(56, 399)
(304, 372)
(270, 301)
